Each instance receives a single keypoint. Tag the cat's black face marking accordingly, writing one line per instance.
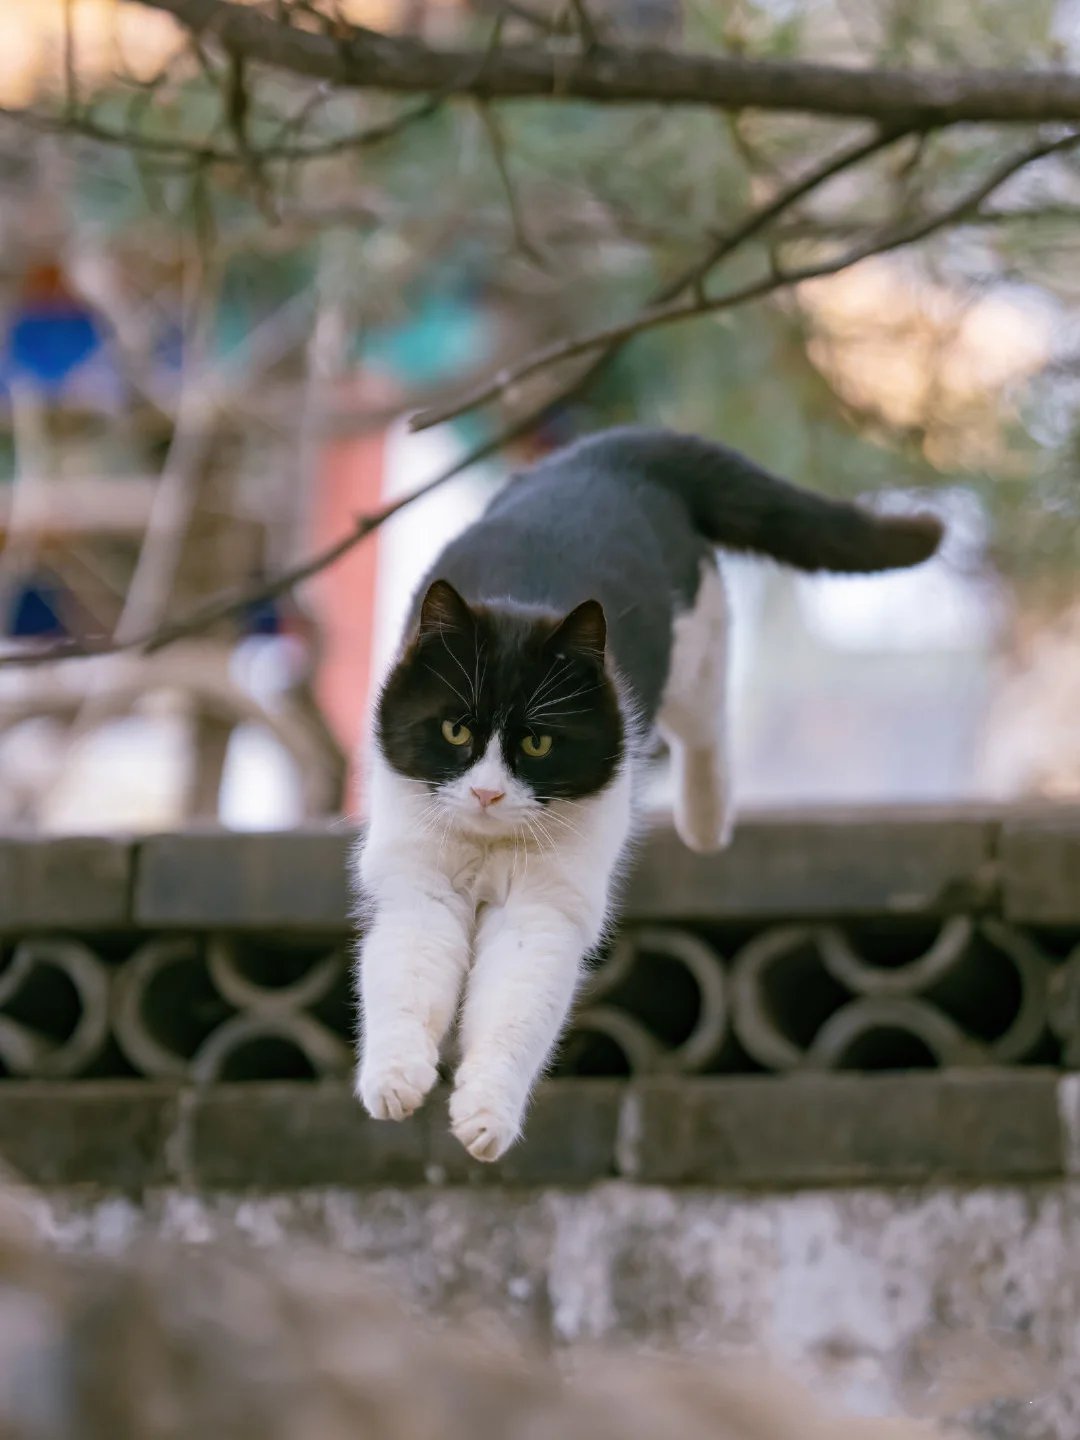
(484, 671)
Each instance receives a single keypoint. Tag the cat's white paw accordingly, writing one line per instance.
(485, 1122)
(704, 828)
(704, 817)
(392, 1090)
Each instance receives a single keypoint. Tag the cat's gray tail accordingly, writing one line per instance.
(738, 505)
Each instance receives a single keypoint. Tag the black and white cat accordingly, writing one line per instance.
(584, 611)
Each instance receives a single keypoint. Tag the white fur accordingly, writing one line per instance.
(522, 896)
(693, 717)
(495, 909)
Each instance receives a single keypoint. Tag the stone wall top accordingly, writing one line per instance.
(1023, 864)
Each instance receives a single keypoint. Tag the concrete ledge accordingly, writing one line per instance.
(292, 880)
(65, 883)
(841, 863)
(1040, 863)
(748, 1133)
(1024, 865)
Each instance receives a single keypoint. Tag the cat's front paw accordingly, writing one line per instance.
(392, 1090)
(486, 1122)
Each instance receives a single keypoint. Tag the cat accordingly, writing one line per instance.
(582, 613)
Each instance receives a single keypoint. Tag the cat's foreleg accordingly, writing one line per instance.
(529, 959)
(410, 966)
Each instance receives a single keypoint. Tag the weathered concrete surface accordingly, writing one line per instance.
(889, 1298)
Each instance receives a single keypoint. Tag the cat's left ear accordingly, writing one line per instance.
(584, 631)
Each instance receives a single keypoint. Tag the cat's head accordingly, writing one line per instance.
(502, 711)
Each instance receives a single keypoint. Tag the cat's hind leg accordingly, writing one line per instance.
(693, 717)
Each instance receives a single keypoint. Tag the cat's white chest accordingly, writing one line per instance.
(483, 876)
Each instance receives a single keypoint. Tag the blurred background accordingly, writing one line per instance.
(224, 290)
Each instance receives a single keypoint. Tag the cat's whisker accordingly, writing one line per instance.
(543, 839)
(553, 676)
(461, 667)
(476, 668)
(442, 843)
(526, 821)
(439, 676)
(549, 719)
(550, 702)
(562, 820)
(430, 819)
(557, 667)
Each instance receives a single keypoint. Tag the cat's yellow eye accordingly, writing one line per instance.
(536, 746)
(456, 734)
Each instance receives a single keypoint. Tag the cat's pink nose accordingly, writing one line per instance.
(487, 797)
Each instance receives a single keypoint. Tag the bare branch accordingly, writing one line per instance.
(692, 278)
(590, 39)
(517, 217)
(988, 217)
(238, 602)
(658, 314)
(361, 58)
(237, 111)
(204, 153)
(761, 219)
(71, 84)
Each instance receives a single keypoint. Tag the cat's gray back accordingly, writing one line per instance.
(582, 525)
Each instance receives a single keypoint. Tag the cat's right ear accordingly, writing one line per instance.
(443, 609)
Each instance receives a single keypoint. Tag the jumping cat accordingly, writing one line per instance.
(582, 613)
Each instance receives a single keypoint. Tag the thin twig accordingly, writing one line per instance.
(666, 313)
(238, 602)
(71, 82)
(590, 37)
(168, 147)
(692, 277)
(762, 218)
(497, 141)
(237, 111)
(989, 218)
(174, 499)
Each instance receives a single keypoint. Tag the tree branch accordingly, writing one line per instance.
(237, 602)
(228, 606)
(672, 310)
(693, 276)
(200, 153)
(360, 58)
(522, 239)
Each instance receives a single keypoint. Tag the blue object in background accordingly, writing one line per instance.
(262, 618)
(36, 612)
(46, 346)
(55, 345)
(52, 333)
